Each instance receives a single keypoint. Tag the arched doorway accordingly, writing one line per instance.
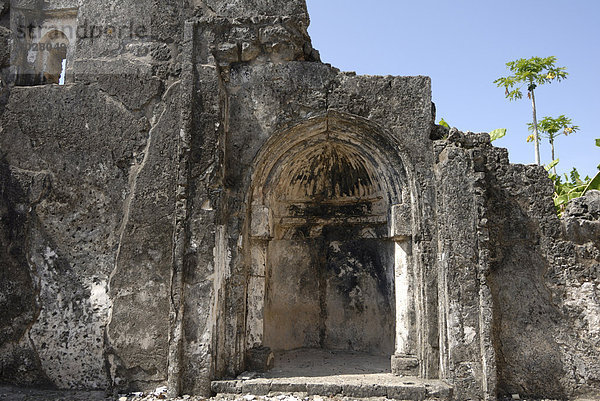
(329, 233)
(51, 64)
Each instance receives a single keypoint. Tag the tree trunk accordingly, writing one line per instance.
(552, 150)
(536, 138)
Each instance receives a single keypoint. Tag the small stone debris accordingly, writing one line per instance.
(247, 375)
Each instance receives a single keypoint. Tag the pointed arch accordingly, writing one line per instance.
(327, 196)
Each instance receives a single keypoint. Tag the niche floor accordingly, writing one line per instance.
(324, 372)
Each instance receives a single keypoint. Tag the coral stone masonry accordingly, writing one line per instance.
(190, 199)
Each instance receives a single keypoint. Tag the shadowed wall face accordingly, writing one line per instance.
(329, 281)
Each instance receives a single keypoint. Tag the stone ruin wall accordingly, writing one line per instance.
(125, 215)
(541, 271)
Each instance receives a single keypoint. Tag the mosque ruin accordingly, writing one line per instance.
(188, 193)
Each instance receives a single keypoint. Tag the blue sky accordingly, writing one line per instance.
(463, 46)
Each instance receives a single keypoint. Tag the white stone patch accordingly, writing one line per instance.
(147, 342)
(160, 390)
(454, 331)
(49, 255)
(31, 56)
(99, 295)
(335, 245)
(469, 333)
(402, 283)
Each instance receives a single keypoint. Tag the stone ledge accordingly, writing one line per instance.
(358, 386)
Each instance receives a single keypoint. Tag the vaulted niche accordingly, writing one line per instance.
(329, 276)
(324, 264)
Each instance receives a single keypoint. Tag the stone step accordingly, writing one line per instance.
(356, 386)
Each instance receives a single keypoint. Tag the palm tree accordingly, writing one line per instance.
(551, 128)
(531, 72)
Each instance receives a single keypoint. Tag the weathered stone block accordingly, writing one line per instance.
(439, 390)
(401, 222)
(260, 225)
(259, 359)
(363, 390)
(257, 386)
(406, 392)
(288, 387)
(226, 386)
(323, 389)
(404, 365)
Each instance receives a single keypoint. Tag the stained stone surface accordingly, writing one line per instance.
(202, 187)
